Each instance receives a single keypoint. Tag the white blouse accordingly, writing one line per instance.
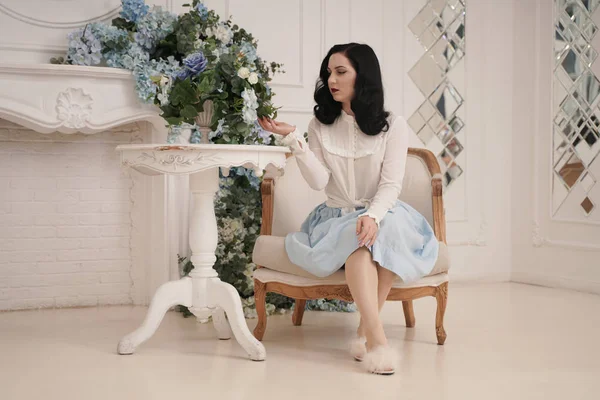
(355, 169)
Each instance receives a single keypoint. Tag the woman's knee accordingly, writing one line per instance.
(361, 255)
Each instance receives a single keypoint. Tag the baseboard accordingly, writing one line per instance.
(475, 277)
(561, 282)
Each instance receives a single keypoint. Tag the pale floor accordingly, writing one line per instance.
(505, 341)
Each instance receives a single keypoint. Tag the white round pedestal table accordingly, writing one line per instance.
(202, 291)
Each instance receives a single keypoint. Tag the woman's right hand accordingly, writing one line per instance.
(280, 128)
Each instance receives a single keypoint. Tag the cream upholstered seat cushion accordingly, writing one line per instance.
(266, 275)
(269, 252)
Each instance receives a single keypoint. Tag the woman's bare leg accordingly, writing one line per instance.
(385, 280)
(362, 279)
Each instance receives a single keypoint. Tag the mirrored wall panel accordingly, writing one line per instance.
(576, 112)
(439, 73)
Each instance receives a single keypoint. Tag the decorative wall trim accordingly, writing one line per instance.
(540, 241)
(575, 221)
(296, 110)
(323, 27)
(30, 20)
(28, 47)
(300, 83)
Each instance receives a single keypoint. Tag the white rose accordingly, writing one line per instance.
(253, 78)
(165, 81)
(244, 73)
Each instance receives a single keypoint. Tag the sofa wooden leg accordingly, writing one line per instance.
(260, 301)
(409, 313)
(441, 295)
(298, 312)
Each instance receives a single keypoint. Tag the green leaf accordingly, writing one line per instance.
(189, 111)
(183, 93)
(174, 120)
(122, 23)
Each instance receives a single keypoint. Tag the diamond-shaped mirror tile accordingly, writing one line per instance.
(416, 122)
(573, 64)
(587, 87)
(421, 21)
(454, 147)
(445, 134)
(426, 134)
(456, 124)
(569, 168)
(446, 99)
(426, 110)
(445, 159)
(452, 173)
(587, 205)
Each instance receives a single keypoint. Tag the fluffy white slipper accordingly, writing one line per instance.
(358, 347)
(382, 360)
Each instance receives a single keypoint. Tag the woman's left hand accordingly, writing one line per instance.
(366, 229)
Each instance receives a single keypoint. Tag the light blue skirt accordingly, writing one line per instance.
(405, 243)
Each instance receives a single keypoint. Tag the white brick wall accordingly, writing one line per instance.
(64, 219)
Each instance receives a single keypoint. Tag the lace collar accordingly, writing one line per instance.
(345, 139)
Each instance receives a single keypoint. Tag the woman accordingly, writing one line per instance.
(357, 152)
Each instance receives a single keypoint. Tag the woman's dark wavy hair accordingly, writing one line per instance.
(367, 103)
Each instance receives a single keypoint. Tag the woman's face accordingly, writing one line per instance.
(341, 78)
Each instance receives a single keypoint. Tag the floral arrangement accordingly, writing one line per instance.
(184, 63)
(181, 62)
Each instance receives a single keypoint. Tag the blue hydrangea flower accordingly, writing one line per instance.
(85, 46)
(196, 137)
(249, 51)
(143, 74)
(133, 10)
(258, 135)
(202, 10)
(193, 65)
(261, 133)
(132, 56)
(154, 27)
(176, 130)
(248, 173)
(250, 105)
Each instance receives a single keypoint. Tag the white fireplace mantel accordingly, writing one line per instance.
(68, 99)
